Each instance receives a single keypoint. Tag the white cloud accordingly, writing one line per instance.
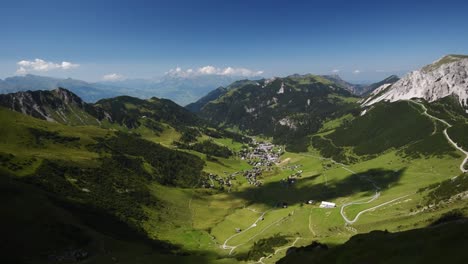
(211, 70)
(112, 77)
(38, 65)
(356, 71)
(335, 71)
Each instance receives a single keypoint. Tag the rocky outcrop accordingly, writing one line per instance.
(59, 105)
(447, 76)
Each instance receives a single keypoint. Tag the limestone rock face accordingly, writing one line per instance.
(447, 76)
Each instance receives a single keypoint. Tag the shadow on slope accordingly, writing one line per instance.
(444, 243)
(303, 190)
(38, 227)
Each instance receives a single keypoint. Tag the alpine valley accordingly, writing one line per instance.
(295, 169)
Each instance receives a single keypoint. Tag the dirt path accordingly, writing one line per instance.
(226, 246)
(453, 143)
(310, 224)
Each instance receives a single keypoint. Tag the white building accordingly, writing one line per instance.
(327, 205)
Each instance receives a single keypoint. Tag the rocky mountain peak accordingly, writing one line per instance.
(446, 76)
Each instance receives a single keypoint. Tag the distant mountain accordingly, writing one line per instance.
(446, 76)
(89, 92)
(211, 96)
(287, 109)
(353, 88)
(359, 89)
(215, 94)
(62, 106)
(365, 90)
(181, 89)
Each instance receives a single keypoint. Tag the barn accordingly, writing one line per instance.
(327, 205)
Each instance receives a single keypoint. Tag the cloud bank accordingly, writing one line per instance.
(112, 77)
(211, 70)
(38, 65)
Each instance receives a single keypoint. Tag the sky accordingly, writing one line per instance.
(111, 40)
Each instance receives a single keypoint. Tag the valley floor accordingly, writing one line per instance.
(378, 194)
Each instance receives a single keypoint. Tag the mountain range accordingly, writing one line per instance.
(181, 89)
(302, 168)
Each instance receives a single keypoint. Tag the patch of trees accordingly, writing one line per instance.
(113, 186)
(458, 133)
(41, 136)
(433, 145)
(265, 246)
(328, 149)
(189, 135)
(223, 133)
(445, 190)
(170, 167)
(207, 147)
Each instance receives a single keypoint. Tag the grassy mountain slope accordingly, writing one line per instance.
(444, 243)
(384, 127)
(211, 96)
(129, 111)
(152, 116)
(39, 228)
(286, 109)
(59, 105)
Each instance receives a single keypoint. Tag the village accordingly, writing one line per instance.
(262, 156)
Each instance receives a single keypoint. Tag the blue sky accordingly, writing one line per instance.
(360, 40)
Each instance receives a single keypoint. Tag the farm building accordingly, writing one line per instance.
(327, 205)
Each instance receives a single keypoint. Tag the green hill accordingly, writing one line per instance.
(384, 127)
(287, 109)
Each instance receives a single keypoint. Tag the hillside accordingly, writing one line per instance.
(96, 180)
(62, 106)
(442, 243)
(196, 107)
(287, 109)
(131, 111)
(59, 105)
(446, 76)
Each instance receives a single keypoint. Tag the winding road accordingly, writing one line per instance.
(462, 165)
(360, 201)
(225, 246)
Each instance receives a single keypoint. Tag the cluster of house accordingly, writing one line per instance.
(292, 178)
(222, 181)
(253, 175)
(261, 154)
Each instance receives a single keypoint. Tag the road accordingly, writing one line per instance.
(462, 165)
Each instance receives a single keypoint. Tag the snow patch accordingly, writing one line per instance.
(281, 90)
